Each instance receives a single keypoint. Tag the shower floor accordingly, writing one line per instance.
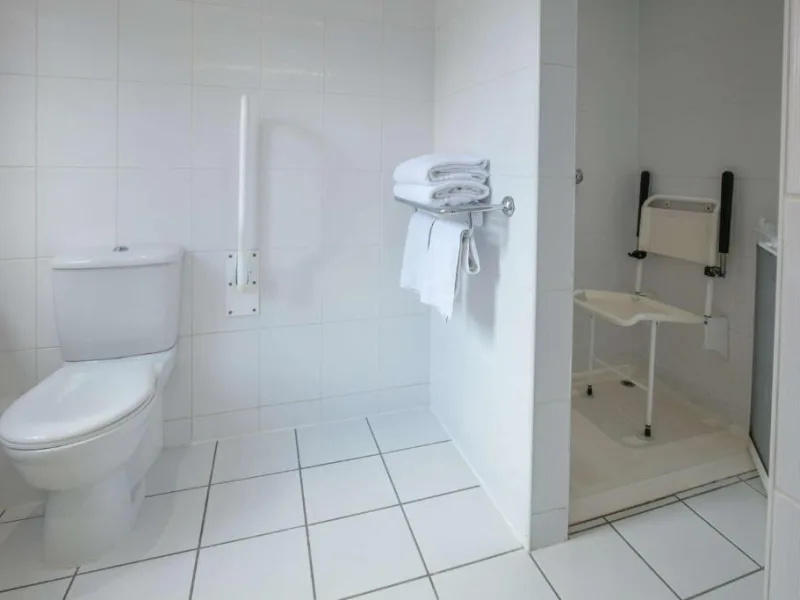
(613, 469)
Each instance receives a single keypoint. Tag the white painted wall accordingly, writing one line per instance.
(608, 154)
(487, 103)
(118, 124)
(709, 89)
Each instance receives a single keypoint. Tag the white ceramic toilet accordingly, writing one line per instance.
(87, 434)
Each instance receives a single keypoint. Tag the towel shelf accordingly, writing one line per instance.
(507, 207)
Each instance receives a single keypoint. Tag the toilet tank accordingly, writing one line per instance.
(117, 302)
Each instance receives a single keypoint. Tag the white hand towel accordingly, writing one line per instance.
(451, 193)
(450, 244)
(432, 168)
(415, 257)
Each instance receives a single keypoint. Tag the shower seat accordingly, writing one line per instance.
(680, 227)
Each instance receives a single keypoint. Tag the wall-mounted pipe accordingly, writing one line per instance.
(242, 256)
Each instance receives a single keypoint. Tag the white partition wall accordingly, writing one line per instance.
(487, 103)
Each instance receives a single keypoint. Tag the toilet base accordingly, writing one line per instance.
(81, 525)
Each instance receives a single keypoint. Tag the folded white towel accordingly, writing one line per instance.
(432, 168)
(450, 193)
(451, 247)
(415, 257)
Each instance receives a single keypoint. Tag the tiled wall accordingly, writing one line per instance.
(487, 102)
(608, 154)
(554, 273)
(118, 124)
(710, 99)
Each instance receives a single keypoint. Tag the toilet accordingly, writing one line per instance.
(87, 434)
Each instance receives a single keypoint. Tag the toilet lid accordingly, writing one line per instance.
(75, 401)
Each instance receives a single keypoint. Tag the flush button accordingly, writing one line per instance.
(121, 249)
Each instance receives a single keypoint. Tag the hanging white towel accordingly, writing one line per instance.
(451, 247)
(450, 193)
(432, 168)
(415, 257)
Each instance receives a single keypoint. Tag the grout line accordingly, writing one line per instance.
(478, 561)
(305, 519)
(466, 489)
(71, 583)
(546, 578)
(707, 522)
(135, 562)
(417, 447)
(203, 522)
(402, 509)
(643, 506)
(30, 585)
(387, 587)
(722, 585)
(649, 566)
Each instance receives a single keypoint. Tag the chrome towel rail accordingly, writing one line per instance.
(507, 207)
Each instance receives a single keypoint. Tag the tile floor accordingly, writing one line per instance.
(384, 508)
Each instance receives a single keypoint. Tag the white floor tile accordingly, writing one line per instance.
(21, 555)
(509, 577)
(756, 484)
(740, 514)
(708, 488)
(416, 590)
(397, 431)
(334, 442)
(749, 588)
(180, 469)
(429, 471)
(273, 566)
(347, 488)
(460, 528)
(168, 578)
(359, 554)
(253, 507)
(684, 550)
(255, 455)
(165, 525)
(23, 511)
(46, 591)
(601, 566)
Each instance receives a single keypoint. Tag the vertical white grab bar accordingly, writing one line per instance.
(242, 261)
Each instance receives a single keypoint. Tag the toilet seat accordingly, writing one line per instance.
(77, 402)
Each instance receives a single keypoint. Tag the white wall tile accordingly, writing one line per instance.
(350, 357)
(407, 130)
(291, 359)
(17, 213)
(75, 208)
(154, 125)
(17, 36)
(289, 416)
(293, 54)
(353, 132)
(214, 209)
(404, 351)
(350, 288)
(292, 130)
(46, 335)
(558, 122)
(352, 208)
(154, 206)
(224, 372)
(227, 46)
(560, 32)
(177, 433)
(292, 209)
(17, 375)
(783, 575)
(215, 126)
(17, 120)
(554, 311)
(291, 286)
(48, 361)
(407, 67)
(77, 123)
(17, 304)
(551, 459)
(414, 13)
(155, 40)
(227, 425)
(361, 10)
(556, 238)
(78, 38)
(178, 393)
(353, 58)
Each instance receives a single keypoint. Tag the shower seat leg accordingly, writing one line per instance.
(651, 381)
(589, 389)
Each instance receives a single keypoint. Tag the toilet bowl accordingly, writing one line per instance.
(86, 436)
